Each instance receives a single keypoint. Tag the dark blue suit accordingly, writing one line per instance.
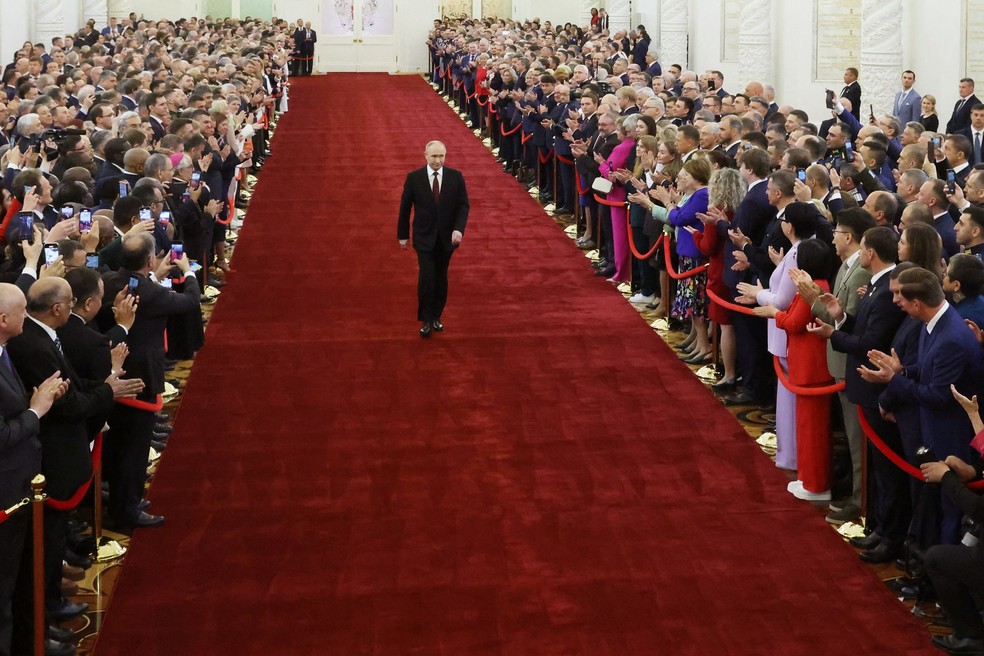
(874, 327)
(948, 355)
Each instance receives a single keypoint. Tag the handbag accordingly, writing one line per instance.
(601, 185)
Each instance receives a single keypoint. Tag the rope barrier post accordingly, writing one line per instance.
(864, 474)
(554, 189)
(37, 516)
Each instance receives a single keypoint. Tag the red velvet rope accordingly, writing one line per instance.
(502, 129)
(544, 160)
(580, 190)
(635, 252)
(143, 405)
(76, 499)
(301, 58)
(564, 159)
(898, 460)
(229, 217)
(728, 305)
(492, 109)
(479, 101)
(526, 137)
(799, 390)
(4, 516)
(610, 203)
(682, 274)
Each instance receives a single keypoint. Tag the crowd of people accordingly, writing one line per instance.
(836, 260)
(125, 151)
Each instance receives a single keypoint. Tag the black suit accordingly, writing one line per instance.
(20, 460)
(853, 93)
(127, 444)
(961, 114)
(433, 223)
(66, 459)
(874, 327)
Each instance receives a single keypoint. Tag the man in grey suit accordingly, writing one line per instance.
(851, 226)
(908, 102)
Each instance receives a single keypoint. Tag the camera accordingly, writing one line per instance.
(55, 135)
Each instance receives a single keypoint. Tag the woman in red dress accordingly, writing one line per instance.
(807, 357)
(725, 192)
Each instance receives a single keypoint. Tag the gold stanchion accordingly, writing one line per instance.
(37, 513)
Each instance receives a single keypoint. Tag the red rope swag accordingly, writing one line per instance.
(73, 501)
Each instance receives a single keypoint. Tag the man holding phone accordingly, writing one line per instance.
(439, 201)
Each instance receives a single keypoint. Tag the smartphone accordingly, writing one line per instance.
(177, 250)
(27, 189)
(145, 214)
(951, 181)
(27, 226)
(67, 212)
(801, 174)
(830, 99)
(196, 179)
(92, 260)
(132, 285)
(50, 253)
(164, 218)
(711, 85)
(848, 151)
(85, 220)
(931, 150)
(124, 188)
(871, 112)
(195, 266)
(938, 142)
(166, 283)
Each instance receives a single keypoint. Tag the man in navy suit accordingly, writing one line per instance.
(908, 103)
(439, 201)
(975, 134)
(20, 450)
(948, 355)
(750, 222)
(873, 328)
(961, 110)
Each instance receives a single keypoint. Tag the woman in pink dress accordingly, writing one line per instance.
(615, 169)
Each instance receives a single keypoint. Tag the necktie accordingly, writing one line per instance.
(436, 188)
(977, 147)
(59, 346)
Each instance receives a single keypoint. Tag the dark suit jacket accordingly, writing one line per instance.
(158, 128)
(753, 216)
(20, 450)
(146, 337)
(433, 222)
(853, 93)
(950, 355)
(66, 459)
(961, 115)
(88, 351)
(873, 327)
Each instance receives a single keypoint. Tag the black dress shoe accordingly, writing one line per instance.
(61, 635)
(425, 330)
(740, 398)
(160, 447)
(954, 645)
(869, 541)
(883, 553)
(215, 282)
(724, 385)
(437, 326)
(162, 429)
(605, 273)
(67, 611)
(146, 520)
(143, 505)
(75, 560)
(55, 648)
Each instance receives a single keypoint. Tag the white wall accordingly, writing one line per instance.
(555, 11)
(172, 9)
(15, 29)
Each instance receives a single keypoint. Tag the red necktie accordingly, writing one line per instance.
(436, 188)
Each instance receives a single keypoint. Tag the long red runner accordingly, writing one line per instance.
(543, 477)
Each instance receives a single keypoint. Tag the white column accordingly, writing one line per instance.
(49, 20)
(674, 34)
(72, 17)
(619, 15)
(881, 53)
(754, 42)
(584, 16)
(234, 12)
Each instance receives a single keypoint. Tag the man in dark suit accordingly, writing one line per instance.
(750, 222)
(127, 445)
(975, 134)
(157, 110)
(961, 110)
(310, 38)
(873, 328)
(439, 201)
(37, 355)
(948, 355)
(298, 37)
(20, 450)
(852, 91)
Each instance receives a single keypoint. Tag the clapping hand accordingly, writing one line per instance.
(833, 304)
(769, 311)
(776, 255)
(808, 290)
(887, 366)
(821, 328)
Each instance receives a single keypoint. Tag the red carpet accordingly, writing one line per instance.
(542, 478)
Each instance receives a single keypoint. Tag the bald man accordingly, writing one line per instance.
(20, 451)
